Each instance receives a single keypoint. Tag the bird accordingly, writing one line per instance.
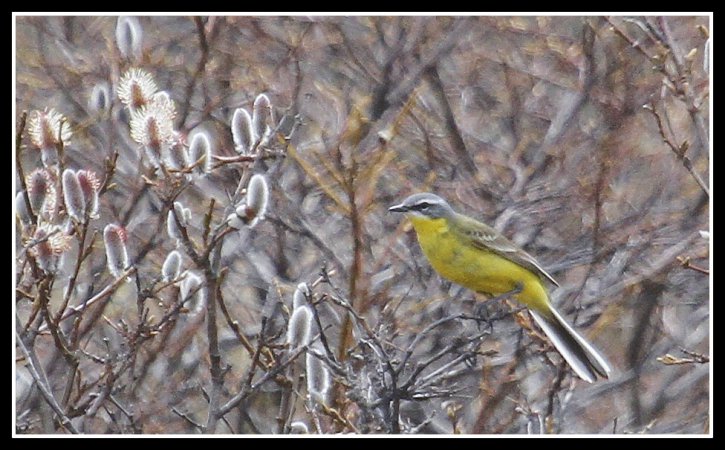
(476, 256)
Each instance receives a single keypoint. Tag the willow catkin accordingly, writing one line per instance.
(172, 266)
(192, 292)
(90, 185)
(299, 298)
(114, 237)
(299, 331)
(255, 206)
(73, 196)
(242, 131)
(41, 191)
(318, 377)
(200, 152)
(261, 119)
(100, 99)
(184, 216)
(129, 37)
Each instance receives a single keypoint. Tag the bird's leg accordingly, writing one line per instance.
(482, 310)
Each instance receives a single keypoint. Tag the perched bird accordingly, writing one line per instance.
(474, 255)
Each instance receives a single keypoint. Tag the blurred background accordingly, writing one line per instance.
(583, 139)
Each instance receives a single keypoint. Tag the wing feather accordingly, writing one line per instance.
(484, 237)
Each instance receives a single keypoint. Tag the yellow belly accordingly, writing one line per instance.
(476, 269)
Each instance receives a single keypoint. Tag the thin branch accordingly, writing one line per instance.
(678, 150)
(19, 166)
(204, 48)
(44, 390)
(108, 290)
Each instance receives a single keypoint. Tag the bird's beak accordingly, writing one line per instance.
(398, 208)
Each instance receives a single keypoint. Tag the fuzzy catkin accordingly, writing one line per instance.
(75, 204)
(172, 266)
(299, 332)
(242, 131)
(261, 119)
(114, 237)
(318, 378)
(200, 152)
(193, 293)
(299, 298)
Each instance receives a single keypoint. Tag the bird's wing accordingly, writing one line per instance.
(484, 237)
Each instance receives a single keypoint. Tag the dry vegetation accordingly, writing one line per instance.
(585, 140)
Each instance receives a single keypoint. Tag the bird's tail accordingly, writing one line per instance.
(586, 361)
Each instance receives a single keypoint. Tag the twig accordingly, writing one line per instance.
(44, 390)
(678, 150)
(19, 166)
(108, 290)
(245, 392)
(686, 263)
(684, 77)
(186, 417)
(82, 254)
(129, 415)
(215, 370)
(204, 47)
(234, 325)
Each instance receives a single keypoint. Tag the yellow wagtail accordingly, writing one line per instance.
(476, 256)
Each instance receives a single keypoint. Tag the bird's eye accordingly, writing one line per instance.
(423, 206)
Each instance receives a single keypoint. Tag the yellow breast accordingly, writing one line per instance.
(474, 268)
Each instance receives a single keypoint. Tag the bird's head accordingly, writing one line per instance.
(424, 206)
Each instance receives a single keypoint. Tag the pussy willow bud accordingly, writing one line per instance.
(136, 89)
(199, 148)
(318, 377)
(100, 99)
(114, 237)
(73, 195)
(41, 191)
(44, 254)
(176, 156)
(184, 216)
(152, 126)
(262, 118)
(172, 266)
(255, 204)
(162, 100)
(192, 292)
(298, 427)
(90, 185)
(51, 242)
(129, 37)
(183, 213)
(47, 129)
(258, 194)
(299, 331)
(234, 221)
(300, 296)
(242, 131)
